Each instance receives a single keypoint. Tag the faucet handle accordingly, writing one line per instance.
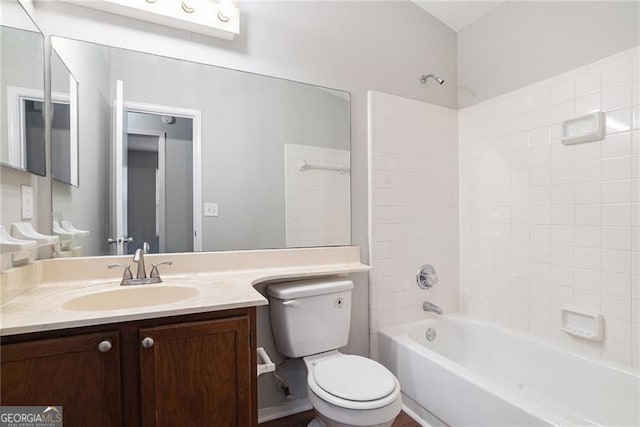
(126, 275)
(426, 276)
(155, 273)
(145, 248)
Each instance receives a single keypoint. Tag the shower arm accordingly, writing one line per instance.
(435, 77)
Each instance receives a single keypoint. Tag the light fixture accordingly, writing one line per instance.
(226, 10)
(215, 18)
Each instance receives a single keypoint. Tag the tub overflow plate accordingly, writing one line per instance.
(431, 334)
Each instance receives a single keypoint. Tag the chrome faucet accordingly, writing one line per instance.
(138, 258)
(427, 306)
(141, 274)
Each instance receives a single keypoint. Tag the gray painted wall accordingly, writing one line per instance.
(520, 43)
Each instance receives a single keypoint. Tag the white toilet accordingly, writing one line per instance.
(311, 319)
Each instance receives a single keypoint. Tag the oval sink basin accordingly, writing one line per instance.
(133, 297)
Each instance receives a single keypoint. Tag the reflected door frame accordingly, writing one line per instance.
(196, 117)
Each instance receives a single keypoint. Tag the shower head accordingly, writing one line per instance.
(426, 77)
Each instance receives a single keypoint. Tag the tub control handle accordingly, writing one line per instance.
(426, 276)
(291, 303)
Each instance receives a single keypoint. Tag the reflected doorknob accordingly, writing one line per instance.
(119, 240)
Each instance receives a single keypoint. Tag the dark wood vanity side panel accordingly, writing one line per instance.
(70, 372)
(254, 367)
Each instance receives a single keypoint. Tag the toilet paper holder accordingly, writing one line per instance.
(264, 362)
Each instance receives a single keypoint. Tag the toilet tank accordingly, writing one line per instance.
(310, 316)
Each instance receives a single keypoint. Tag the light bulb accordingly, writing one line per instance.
(188, 6)
(225, 10)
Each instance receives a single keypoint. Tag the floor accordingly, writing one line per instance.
(301, 420)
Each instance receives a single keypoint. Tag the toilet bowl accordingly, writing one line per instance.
(311, 319)
(347, 390)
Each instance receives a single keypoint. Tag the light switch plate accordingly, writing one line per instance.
(27, 201)
(210, 209)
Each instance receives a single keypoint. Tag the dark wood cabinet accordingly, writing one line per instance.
(82, 371)
(189, 370)
(196, 374)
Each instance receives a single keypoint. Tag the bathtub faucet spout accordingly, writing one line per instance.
(427, 306)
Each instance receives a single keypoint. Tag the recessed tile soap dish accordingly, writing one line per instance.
(587, 128)
(582, 324)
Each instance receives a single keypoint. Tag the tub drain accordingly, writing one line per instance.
(431, 334)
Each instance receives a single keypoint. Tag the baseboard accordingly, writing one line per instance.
(419, 414)
(284, 410)
(415, 416)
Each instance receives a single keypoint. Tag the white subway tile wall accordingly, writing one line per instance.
(413, 195)
(544, 225)
(317, 202)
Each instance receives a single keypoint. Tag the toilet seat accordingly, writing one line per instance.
(352, 382)
(354, 378)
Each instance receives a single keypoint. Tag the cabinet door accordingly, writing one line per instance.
(80, 373)
(196, 374)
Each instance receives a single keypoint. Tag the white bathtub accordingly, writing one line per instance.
(479, 374)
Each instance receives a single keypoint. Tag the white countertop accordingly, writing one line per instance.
(41, 308)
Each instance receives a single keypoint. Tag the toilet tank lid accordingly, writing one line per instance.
(308, 288)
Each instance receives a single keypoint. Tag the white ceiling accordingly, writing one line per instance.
(458, 14)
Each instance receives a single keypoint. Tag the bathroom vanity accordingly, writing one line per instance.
(197, 369)
(182, 352)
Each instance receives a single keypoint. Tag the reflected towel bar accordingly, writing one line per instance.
(305, 165)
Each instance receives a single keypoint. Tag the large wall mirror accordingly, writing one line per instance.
(193, 157)
(22, 144)
(64, 123)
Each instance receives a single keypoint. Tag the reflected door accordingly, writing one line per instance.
(146, 189)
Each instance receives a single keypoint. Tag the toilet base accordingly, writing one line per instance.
(316, 422)
(323, 421)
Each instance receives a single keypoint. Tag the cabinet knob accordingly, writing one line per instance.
(104, 346)
(147, 342)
